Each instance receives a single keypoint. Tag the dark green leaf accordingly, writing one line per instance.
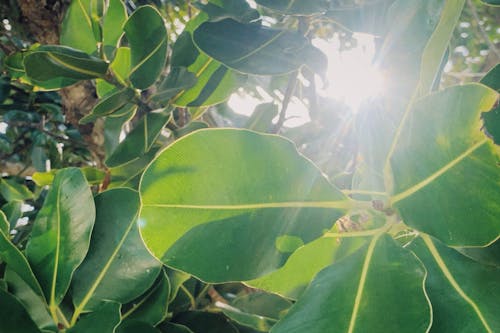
(110, 104)
(354, 294)
(297, 7)
(118, 267)
(147, 37)
(168, 327)
(61, 233)
(238, 10)
(255, 49)
(112, 26)
(459, 288)
(135, 326)
(104, 319)
(152, 307)
(205, 322)
(14, 317)
(140, 140)
(177, 80)
(231, 194)
(441, 145)
(51, 62)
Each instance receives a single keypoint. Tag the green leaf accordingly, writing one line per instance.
(262, 116)
(189, 128)
(205, 322)
(4, 223)
(113, 127)
(259, 311)
(440, 145)
(177, 80)
(176, 278)
(12, 212)
(438, 45)
(147, 37)
(492, 79)
(15, 259)
(94, 176)
(291, 279)
(255, 49)
(110, 104)
(169, 327)
(489, 255)
(492, 2)
(152, 307)
(112, 26)
(51, 62)
(32, 302)
(13, 191)
(221, 9)
(140, 140)
(232, 193)
(104, 319)
(118, 266)
(120, 68)
(458, 287)
(128, 174)
(355, 293)
(14, 317)
(76, 28)
(61, 233)
(296, 7)
(134, 326)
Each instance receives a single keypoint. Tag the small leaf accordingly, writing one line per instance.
(296, 7)
(222, 209)
(255, 49)
(61, 233)
(104, 319)
(50, 62)
(238, 10)
(441, 145)
(94, 176)
(492, 78)
(118, 267)
(76, 28)
(13, 213)
(140, 140)
(458, 287)
(147, 37)
(112, 26)
(14, 317)
(354, 294)
(13, 191)
(177, 80)
(110, 104)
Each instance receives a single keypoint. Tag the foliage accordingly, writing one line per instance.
(394, 214)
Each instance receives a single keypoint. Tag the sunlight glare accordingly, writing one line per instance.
(351, 75)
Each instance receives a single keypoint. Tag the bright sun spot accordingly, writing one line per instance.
(351, 77)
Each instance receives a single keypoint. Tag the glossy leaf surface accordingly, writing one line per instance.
(254, 49)
(140, 140)
(215, 194)
(61, 233)
(148, 46)
(459, 288)
(440, 145)
(112, 26)
(104, 319)
(118, 267)
(52, 62)
(354, 294)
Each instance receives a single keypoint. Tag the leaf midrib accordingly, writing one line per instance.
(341, 204)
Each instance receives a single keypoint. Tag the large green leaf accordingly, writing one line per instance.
(438, 44)
(110, 104)
(440, 146)
(140, 140)
(77, 28)
(118, 266)
(32, 302)
(231, 195)
(297, 7)
(50, 62)
(152, 307)
(104, 319)
(459, 288)
(147, 37)
(112, 26)
(61, 233)
(354, 294)
(15, 259)
(13, 316)
(238, 10)
(255, 49)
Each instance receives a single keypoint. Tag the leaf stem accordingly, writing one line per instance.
(192, 301)
(292, 82)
